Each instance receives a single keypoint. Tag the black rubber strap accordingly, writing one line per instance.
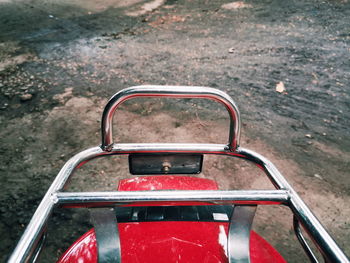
(107, 235)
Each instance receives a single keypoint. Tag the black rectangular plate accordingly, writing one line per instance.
(146, 164)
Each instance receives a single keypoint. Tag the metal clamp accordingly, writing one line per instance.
(171, 92)
(239, 233)
(107, 235)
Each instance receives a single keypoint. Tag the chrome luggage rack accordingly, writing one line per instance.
(244, 200)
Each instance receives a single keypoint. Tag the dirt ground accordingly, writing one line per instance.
(286, 64)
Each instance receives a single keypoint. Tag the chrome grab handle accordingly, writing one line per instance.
(170, 92)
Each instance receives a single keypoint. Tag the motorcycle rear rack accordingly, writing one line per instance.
(244, 200)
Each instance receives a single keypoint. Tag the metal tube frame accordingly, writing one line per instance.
(170, 92)
(284, 193)
(303, 242)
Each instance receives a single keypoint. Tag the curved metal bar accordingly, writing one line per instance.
(39, 247)
(173, 92)
(313, 227)
(323, 241)
(318, 234)
(302, 241)
(29, 240)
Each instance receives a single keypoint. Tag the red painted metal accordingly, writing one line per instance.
(83, 250)
(156, 242)
(168, 182)
(153, 242)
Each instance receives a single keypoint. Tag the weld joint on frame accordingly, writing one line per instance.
(54, 198)
(107, 148)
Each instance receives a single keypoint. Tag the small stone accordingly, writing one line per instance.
(26, 97)
(318, 176)
(280, 87)
(236, 5)
(308, 135)
(4, 106)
